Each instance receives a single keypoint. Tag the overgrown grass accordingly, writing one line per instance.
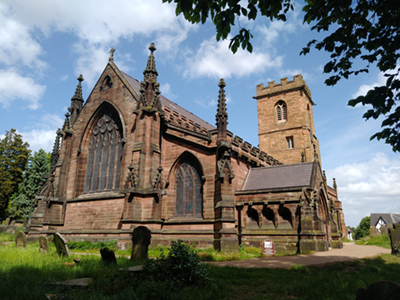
(25, 274)
(382, 240)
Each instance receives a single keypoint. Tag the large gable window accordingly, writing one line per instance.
(188, 191)
(104, 155)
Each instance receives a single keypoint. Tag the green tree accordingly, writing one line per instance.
(362, 229)
(367, 30)
(21, 203)
(14, 154)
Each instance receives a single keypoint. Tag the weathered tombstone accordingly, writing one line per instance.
(6, 221)
(141, 237)
(373, 231)
(379, 290)
(61, 245)
(12, 223)
(108, 256)
(43, 244)
(394, 235)
(268, 247)
(20, 240)
(384, 230)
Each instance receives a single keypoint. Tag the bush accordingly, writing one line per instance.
(181, 267)
(362, 229)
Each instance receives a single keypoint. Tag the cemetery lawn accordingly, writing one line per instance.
(25, 273)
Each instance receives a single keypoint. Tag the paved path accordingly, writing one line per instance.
(350, 251)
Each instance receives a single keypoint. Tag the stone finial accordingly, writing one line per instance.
(334, 184)
(151, 64)
(111, 58)
(78, 90)
(221, 116)
(66, 122)
(324, 175)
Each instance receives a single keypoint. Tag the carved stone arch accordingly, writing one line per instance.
(269, 217)
(253, 218)
(186, 178)
(101, 151)
(285, 217)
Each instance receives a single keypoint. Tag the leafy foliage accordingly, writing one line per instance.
(14, 155)
(180, 268)
(86, 245)
(21, 203)
(362, 229)
(356, 29)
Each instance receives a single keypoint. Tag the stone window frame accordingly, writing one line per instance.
(281, 111)
(107, 83)
(191, 160)
(290, 142)
(83, 149)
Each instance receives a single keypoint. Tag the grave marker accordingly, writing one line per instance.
(141, 237)
(108, 256)
(61, 245)
(394, 234)
(43, 244)
(379, 290)
(20, 240)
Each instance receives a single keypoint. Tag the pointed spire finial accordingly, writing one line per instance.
(151, 64)
(111, 58)
(78, 90)
(221, 116)
(334, 184)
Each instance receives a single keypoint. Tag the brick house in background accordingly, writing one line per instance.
(131, 157)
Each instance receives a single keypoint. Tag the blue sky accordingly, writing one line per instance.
(45, 45)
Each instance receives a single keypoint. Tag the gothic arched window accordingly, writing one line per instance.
(104, 154)
(281, 111)
(188, 191)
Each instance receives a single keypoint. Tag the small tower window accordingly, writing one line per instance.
(290, 143)
(281, 111)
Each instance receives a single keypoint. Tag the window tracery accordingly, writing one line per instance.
(281, 111)
(189, 196)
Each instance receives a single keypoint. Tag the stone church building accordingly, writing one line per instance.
(128, 157)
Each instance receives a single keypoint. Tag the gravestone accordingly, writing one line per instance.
(141, 237)
(61, 245)
(108, 256)
(6, 221)
(373, 231)
(379, 290)
(268, 247)
(43, 244)
(394, 235)
(20, 240)
(384, 230)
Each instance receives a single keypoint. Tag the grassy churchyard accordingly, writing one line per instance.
(26, 273)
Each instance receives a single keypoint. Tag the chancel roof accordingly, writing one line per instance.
(171, 106)
(280, 177)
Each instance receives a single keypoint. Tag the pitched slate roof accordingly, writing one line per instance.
(171, 105)
(278, 177)
(388, 217)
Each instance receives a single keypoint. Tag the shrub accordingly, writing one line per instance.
(181, 267)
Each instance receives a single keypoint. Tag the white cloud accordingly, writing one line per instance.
(14, 86)
(214, 59)
(368, 187)
(363, 89)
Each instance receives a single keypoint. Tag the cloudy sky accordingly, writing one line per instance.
(45, 45)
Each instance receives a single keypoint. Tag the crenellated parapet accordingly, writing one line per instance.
(173, 117)
(298, 83)
(244, 149)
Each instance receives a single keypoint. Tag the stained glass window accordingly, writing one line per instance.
(104, 156)
(188, 192)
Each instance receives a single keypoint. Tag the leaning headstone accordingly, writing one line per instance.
(141, 237)
(384, 230)
(6, 221)
(108, 256)
(379, 290)
(394, 235)
(43, 244)
(61, 245)
(20, 240)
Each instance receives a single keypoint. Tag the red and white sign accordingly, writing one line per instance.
(268, 247)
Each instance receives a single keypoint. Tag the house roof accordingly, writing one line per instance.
(387, 217)
(171, 105)
(278, 177)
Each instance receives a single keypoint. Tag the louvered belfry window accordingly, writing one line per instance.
(281, 111)
(188, 192)
(104, 156)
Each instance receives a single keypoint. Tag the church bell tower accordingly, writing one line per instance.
(285, 121)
